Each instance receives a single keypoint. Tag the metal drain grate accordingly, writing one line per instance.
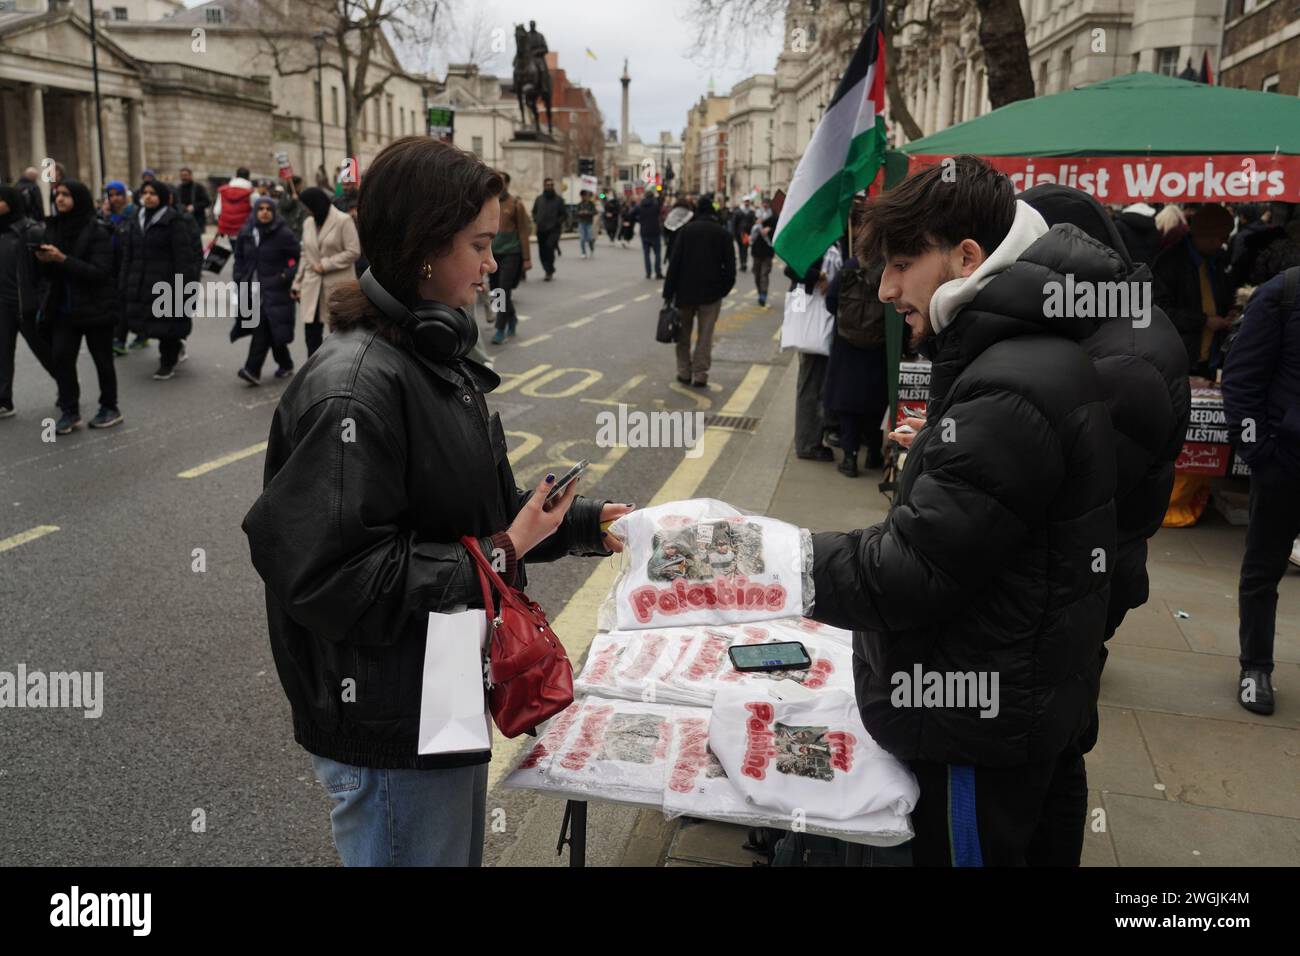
(735, 423)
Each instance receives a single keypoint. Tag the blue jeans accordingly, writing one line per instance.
(646, 245)
(586, 238)
(406, 817)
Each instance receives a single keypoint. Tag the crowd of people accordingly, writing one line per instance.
(90, 269)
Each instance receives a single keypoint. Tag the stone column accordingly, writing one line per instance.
(39, 151)
(88, 140)
(968, 91)
(947, 60)
(926, 119)
(984, 90)
(135, 141)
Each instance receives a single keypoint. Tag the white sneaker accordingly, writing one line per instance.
(1295, 553)
(7, 412)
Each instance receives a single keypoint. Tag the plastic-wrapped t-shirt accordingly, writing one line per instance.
(531, 772)
(616, 749)
(812, 755)
(704, 562)
(698, 785)
(599, 672)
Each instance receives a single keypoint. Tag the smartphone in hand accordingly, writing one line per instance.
(565, 480)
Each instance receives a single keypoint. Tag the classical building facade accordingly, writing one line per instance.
(1261, 46)
(180, 87)
(750, 131)
(711, 110)
(1072, 43)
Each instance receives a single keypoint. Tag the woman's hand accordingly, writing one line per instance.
(608, 513)
(49, 253)
(317, 268)
(537, 521)
(295, 294)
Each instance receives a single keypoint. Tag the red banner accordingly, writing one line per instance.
(1130, 179)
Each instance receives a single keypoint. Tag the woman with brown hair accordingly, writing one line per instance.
(382, 455)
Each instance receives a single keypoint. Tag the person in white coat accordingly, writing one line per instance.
(330, 247)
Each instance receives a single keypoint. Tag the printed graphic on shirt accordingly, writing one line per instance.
(635, 738)
(703, 562)
(701, 552)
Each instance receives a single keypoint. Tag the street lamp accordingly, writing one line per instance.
(318, 38)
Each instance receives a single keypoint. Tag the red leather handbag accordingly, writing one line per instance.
(530, 678)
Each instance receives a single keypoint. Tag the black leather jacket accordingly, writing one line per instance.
(378, 461)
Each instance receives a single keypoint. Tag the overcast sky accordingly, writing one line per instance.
(654, 37)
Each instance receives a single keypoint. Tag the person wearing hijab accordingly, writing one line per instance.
(266, 252)
(79, 300)
(330, 246)
(159, 246)
(18, 293)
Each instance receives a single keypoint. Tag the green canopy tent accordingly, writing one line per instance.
(1135, 137)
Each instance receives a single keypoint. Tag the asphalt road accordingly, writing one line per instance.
(193, 761)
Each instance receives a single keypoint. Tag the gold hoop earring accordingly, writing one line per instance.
(426, 271)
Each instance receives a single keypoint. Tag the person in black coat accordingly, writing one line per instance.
(993, 562)
(647, 215)
(611, 214)
(702, 270)
(1192, 287)
(856, 390)
(742, 223)
(1142, 365)
(628, 230)
(1261, 400)
(19, 295)
(1136, 225)
(266, 252)
(192, 198)
(359, 541)
(160, 245)
(80, 299)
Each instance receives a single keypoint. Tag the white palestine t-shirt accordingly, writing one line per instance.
(617, 749)
(812, 756)
(703, 562)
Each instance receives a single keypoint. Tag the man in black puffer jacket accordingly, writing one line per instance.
(990, 574)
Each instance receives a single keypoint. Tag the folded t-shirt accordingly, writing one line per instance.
(812, 756)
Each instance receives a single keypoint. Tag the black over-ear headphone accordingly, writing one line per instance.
(439, 331)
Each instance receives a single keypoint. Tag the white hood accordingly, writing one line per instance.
(239, 182)
(1141, 208)
(1026, 229)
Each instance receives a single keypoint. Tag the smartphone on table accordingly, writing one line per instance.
(783, 656)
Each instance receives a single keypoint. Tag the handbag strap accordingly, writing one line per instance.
(487, 577)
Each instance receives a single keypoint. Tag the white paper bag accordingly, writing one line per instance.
(808, 326)
(453, 707)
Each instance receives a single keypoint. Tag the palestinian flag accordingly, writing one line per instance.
(843, 157)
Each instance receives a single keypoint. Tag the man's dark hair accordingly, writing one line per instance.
(418, 193)
(186, 169)
(242, 172)
(939, 206)
(297, 181)
(1248, 212)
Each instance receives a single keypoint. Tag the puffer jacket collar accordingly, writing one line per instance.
(1012, 303)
